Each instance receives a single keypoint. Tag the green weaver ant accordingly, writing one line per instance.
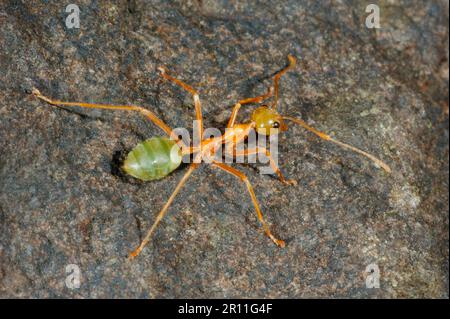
(155, 158)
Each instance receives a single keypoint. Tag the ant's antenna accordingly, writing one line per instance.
(329, 138)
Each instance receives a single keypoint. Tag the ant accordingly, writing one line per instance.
(156, 157)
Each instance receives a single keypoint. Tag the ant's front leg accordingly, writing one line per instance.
(259, 150)
(237, 106)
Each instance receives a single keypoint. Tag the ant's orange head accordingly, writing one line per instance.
(268, 121)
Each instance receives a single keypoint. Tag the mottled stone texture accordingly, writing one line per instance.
(63, 199)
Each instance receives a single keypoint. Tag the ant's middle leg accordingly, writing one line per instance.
(244, 179)
(197, 104)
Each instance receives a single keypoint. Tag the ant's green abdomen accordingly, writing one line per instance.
(153, 159)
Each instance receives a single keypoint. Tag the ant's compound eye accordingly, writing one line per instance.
(276, 124)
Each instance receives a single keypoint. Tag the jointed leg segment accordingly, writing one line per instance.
(238, 105)
(244, 178)
(259, 150)
(263, 97)
(197, 104)
(163, 211)
(149, 114)
(277, 77)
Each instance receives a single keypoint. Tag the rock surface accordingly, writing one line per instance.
(64, 201)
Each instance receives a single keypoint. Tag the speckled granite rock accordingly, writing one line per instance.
(64, 201)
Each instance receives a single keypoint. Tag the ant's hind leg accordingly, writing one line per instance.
(163, 211)
(149, 114)
(244, 178)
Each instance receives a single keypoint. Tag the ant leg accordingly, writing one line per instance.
(261, 98)
(244, 178)
(258, 150)
(277, 77)
(344, 145)
(190, 149)
(163, 211)
(238, 105)
(149, 114)
(197, 104)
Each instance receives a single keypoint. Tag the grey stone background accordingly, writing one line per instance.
(63, 199)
